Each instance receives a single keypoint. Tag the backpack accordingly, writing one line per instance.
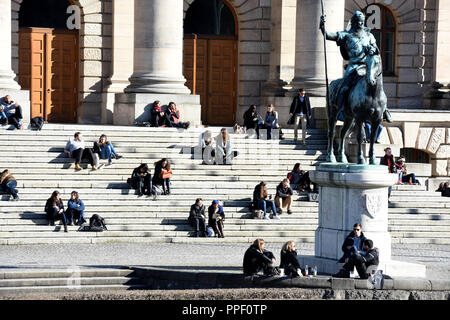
(97, 223)
(36, 123)
(257, 214)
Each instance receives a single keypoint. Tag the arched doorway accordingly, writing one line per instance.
(48, 59)
(210, 59)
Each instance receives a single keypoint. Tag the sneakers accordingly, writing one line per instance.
(15, 199)
(109, 162)
(266, 217)
(186, 125)
(78, 167)
(276, 218)
(118, 156)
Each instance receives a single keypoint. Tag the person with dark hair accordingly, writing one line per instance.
(271, 121)
(105, 149)
(8, 184)
(444, 189)
(353, 243)
(388, 160)
(299, 179)
(261, 199)
(141, 180)
(288, 260)
(76, 149)
(301, 110)
(403, 177)
(75, 210)
(162, 175)
(157, 115)
(283, 197)
(257, 259)
(252, 120)
(173, 117)
(361, 260)
(216, 218)
(54, 208)
(197, 218)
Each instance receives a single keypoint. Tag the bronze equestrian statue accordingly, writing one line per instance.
(359, 96)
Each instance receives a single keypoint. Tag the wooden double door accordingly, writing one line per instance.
(48, 68)
(210, 70)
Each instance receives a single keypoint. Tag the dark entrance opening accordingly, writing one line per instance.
(44, 14)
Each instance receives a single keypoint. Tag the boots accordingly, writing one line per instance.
(78, 167)
(342, 274)
(65, 228)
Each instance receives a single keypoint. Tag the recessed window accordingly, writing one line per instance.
(382, 23)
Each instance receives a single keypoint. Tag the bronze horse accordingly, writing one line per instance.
(367, 103)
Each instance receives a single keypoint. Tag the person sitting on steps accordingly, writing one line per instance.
(288, 260)
(8, 184)
(162, 175)
(300, 181)
(141, 180)
(261, 199)
(257, 259)
(11, 112)
(75, 148)
(158, 117)
(197, 218)
(173, 117)
(361, 260)
(216, 218)
(105, 149)
(54, 208)
(75, 210)
(283, 197)
(252, 120)
(402, 176)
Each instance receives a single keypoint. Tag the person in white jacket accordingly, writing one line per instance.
(224, 148)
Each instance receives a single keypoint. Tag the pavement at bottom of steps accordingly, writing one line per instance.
(189, 256)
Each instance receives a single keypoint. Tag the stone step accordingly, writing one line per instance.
(420, 228)
(68, 282)
(84, 288)
(85, 272)
(419, 204)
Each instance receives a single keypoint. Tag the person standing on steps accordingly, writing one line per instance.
(301, 110)
(75, 148)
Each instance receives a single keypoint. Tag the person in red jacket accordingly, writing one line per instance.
(173, 117)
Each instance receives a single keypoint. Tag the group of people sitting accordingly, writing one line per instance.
(399, 167)
(222, 153)
(444, 189)
(359, 253)
(74, 214)
(216, 218)
(142, 181)
(170, 117)
(76, 149)
(10, 113)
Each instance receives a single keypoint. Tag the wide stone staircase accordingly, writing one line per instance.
(37, 161)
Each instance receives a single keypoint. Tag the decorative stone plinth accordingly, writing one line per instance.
(131, 107)
(349, 194)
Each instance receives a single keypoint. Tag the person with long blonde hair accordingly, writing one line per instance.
(261, 199)
(288, 260)
(224, 148)
(105, 149)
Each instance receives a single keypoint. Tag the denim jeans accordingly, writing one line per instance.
(368, 129)
(107, 151)
(10, 188)
(74, 214)
(262, 205)
(3, 115)
(56, 216)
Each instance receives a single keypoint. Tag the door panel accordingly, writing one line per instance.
(209, 68)
(48, 68)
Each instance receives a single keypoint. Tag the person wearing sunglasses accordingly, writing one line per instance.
(353, 243)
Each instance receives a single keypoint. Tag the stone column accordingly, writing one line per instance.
(282, 51)
(6, 74)
(158, 48)
(309, 53)
(439, 95)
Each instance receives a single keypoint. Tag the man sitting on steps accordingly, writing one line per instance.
(76, 149)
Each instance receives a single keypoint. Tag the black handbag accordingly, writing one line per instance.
(291, 120)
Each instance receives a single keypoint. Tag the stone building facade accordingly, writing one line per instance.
(130, 53)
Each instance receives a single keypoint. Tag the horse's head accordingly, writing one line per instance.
(374, 69)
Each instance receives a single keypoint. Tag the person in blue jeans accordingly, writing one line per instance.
(75, 210)
(271, 120)
(5, 104)
(105, 149)
(8, 184)
(261, 199)
(368, 130)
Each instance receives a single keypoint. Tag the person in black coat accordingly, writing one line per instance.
(367, 257)
(353, 243)
(216, 217)
(252, 119)
(197, 218)
(257, 259)
(141, 180)
(289, 262)
(54, 208)
(301, 111)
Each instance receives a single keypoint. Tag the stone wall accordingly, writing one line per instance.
(414, 60)
(254, 49)
(95, 54)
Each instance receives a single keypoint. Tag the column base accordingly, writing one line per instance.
(392, 268)
(157, 84)
(132, 107)
(22, 97)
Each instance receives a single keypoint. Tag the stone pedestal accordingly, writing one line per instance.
(131, 107)
(350, 194)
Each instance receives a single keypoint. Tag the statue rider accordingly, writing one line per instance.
(355, 45)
